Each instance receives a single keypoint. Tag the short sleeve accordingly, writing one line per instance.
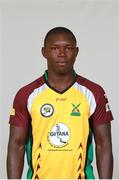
(19, 115)
(102, 113)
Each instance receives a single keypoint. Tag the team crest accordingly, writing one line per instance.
(75, 110)
(46, 110)
(59, 135)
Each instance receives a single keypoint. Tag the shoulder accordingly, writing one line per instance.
(100, 111)
(26, 90)
(96, 89)
(89, 84)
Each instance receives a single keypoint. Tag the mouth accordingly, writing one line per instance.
(62, 63)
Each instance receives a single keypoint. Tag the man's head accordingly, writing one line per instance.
(60, 50)
(59, 30)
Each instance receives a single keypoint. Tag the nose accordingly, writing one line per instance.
(62, 51)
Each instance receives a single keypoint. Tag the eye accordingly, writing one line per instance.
(54, 48)
(69, 48)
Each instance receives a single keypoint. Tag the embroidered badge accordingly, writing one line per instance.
(75, 110)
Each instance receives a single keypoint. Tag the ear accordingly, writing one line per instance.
(77, 50)
(43, 52)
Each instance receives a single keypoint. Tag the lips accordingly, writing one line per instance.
(61, 63)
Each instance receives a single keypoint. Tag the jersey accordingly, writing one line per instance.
(59, 126)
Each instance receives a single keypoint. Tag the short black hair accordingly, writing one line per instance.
(58, 30)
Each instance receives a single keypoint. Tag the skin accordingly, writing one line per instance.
(60, 52)
(16, 151)
(103, 144)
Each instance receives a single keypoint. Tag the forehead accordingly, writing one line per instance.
(60, 38)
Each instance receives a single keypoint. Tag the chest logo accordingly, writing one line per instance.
(46, 110)
(75, 110)
(59, 135)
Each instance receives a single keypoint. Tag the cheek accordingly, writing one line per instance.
(53, 54)
(71, 57)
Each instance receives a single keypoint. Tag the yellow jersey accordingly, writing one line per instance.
(59, 142)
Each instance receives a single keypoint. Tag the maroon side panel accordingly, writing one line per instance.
(102, 113)
(22, 117)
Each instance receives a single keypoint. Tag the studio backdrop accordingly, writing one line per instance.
(24, 24)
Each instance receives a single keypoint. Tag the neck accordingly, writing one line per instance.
(60, 81)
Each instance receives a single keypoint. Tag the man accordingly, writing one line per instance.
(55, 116)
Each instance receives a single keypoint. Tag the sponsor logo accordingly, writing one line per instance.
(107, 107)
(46, 110)
(61, 99)
(12, 112)
(59, 135)
(75, 110)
